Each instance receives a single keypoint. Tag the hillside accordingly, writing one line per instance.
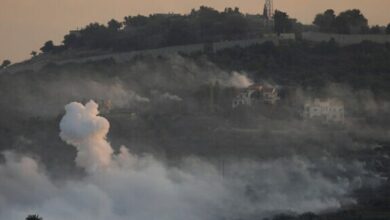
(192, 115)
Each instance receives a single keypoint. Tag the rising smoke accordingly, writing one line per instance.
(124, 185)
(239, 80)
(82, 128)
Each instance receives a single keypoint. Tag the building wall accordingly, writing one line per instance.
(344, 39)
(326, 111)
(244, 43)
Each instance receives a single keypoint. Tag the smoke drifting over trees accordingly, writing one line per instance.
(124, 185)
(171, 146)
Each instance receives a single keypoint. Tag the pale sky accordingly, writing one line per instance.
(26, 24)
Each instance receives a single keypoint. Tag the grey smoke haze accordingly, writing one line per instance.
(292, 165)
(162, 97)
(45, 97)
(55, 93)
(123, 185)
(147, 85)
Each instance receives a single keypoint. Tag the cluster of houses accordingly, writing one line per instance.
(256, 93)
(326, 111)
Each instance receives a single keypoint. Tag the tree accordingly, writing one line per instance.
(233, 23)
(33, 53)
(347, 22)
(73, 40)
(136, 21)
(96, 36)
(351, 22)
(325, 21)
(34, 217)
(207, 18)
(114, 25)
(48, 47)
(178, 32)
(388, 29)
(5, 64)
(283, 23)
(375, 30)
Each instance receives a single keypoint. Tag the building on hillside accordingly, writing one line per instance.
(256, 93)
(328, 111)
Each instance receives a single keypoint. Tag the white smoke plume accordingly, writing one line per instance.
(239, 80)
(83, 128)
(126, 186)
(171, 97)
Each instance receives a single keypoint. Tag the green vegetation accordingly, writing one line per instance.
(5, 64)
(159, 30)
(376, 29)
(203, 25)
(362, 66)
(300, 63)
(139, 32)
(347, 22)
(48, 47)
(33, 53)
(283, 24)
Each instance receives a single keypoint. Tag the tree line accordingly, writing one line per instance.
(160, 30)
(362, 66)
(200, 26)
(347, 22)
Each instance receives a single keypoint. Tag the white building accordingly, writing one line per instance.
(328, 111)
(256, 93)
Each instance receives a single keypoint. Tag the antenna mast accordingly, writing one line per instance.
(269, 9)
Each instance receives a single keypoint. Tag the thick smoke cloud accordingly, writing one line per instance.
(123, 185)
(82, 128)
(174, 106)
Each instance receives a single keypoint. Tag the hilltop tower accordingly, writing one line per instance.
(268, 9)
